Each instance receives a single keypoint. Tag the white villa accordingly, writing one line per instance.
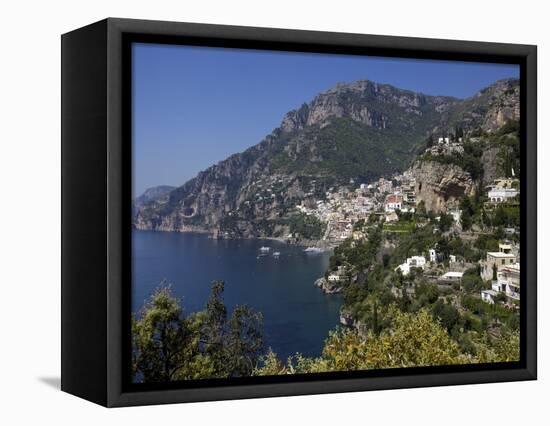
(502, 190)
(450, 277)
(412, 262)
(393, 202)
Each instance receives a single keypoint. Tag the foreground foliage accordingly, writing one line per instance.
(414, 340)
(168, 346)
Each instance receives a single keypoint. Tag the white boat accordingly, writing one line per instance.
(276, 254)
(265, 249)
(312, 250)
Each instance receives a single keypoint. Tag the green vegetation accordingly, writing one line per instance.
(373, 284)
(167, 345)
(308, 227)
(402, 226)
(469, 160)
(348, 150)
(508, 143)
(414, 339)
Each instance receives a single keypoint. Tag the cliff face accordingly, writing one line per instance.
(359, 131)
(441, 186)
(489, 109)
(152, 194)
(375, 105)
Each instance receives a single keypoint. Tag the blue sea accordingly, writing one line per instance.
(297, 315)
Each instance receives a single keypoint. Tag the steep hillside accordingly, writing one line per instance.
(152, 194)
(358, 131)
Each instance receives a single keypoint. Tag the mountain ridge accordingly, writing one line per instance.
(359, 130)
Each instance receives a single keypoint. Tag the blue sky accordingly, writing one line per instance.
(194, 106)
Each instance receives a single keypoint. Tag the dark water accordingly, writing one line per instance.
(297, 315)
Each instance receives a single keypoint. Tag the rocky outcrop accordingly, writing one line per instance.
(489, 109)
(490, 164)
(369, 103)
(503, 104)
(346, 318)
(440, 185)
(329, 287)
(152, 194)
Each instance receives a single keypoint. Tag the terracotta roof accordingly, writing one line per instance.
(393, 198)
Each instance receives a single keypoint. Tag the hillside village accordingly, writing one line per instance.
(392, 203)
(417, 198)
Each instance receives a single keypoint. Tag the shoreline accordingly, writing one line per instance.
(322, 245)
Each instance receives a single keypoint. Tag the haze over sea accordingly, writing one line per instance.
(297, 315)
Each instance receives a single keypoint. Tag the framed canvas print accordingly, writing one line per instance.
(252, 212)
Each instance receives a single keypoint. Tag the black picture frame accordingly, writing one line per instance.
(96, 203)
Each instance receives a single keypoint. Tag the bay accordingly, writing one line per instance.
(297, 315)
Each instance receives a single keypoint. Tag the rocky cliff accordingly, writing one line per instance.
(488, 110)
(441, 186)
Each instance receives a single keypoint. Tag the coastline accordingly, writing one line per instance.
(324, 246)
(271, 285)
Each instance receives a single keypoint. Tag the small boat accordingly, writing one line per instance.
(276, 254)
(265, 249)
(312, 250)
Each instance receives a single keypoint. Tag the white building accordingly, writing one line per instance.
(412, 262)
(393, 202)
(488, 296)
(502, 190)
(508, 281)
(499, 195)
(433, 255)
(450, 277)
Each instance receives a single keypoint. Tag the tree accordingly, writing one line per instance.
(445, 222)
(430, 141)
(167, 346)
(468, 211)
(414, 339)
(446, 314)
(233, 345)
(443, 248)
(161, 339)
(459, 132)
(505, 348)
(271, 365)
(471, 281)
(421, 209)
(244, 342)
